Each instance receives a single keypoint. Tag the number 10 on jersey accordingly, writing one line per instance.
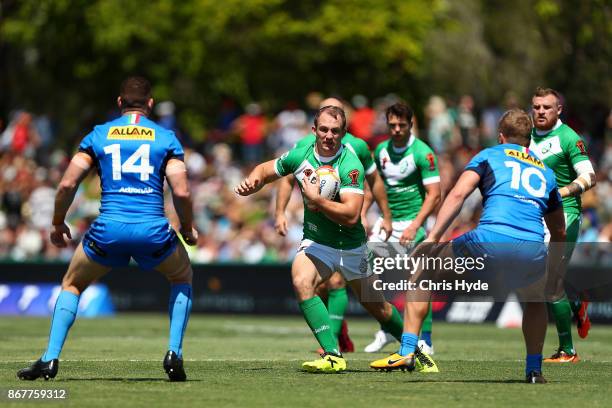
(130, 166)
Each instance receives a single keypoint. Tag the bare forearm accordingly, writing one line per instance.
(340, 213)
(429, 204)
(581, 184)
(449, 211)
(283, 195)
(184, 210)
(63, 200)
(368, 199)
(380, 195)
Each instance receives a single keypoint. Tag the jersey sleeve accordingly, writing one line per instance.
(478, 163)
(575, 148)
(289, 162)
(175, 149)
(352, 176)
(427, 163)
(86, 145)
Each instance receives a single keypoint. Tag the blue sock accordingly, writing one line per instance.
(179, 309)
(533, 362)
(409, 342)
(64, 314)
(426, 337)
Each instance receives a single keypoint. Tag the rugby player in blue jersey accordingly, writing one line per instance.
(518, 190)
(132, 155)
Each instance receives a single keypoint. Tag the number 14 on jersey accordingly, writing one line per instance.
(130, 166)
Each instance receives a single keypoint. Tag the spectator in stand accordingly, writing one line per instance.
(441, 134)
(291, 124)
(362, 121)
(251, 128)
(466, 121)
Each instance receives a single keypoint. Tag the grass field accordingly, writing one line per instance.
(255, 361)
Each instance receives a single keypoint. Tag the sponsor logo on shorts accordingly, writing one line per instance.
(130, 132)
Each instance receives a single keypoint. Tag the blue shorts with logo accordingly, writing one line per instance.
(112, 243)
(514, 262)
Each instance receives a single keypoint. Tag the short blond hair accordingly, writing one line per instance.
(516, 126)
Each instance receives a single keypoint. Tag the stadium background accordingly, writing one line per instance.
(239, 82)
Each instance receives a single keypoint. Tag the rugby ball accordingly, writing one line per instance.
(329, 182)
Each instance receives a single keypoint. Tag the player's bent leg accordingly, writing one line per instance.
(82, 271)
(177, 269)
(306, 277)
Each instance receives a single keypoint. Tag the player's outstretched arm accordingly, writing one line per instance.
(261, 175)
(283, 194)
(452, 204)
(75, 173)
(176, 174)
(377, 185)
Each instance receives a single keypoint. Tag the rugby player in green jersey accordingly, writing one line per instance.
(409, 169)
(334, 290)
(334, 238)
(563, 150)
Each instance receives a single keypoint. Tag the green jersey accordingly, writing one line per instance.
(406, 171)
(357, 145)
(303, 162)
(561, 149)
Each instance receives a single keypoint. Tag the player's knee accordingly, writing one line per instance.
(184, 274)
(336, 281)
(304, 288)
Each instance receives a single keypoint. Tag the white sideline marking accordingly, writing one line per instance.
(110, 360)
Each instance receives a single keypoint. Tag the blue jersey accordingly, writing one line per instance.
(131, 154)
(517, 190)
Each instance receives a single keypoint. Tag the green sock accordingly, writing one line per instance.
(337, 302)
(395, 325)
(562, 312)
(317, 317)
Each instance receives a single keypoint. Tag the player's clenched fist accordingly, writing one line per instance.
(190, 236)
(57, 235)
(311, 187)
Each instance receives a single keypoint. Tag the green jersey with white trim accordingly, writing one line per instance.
(357, 145)
(406, 171)
(561, 149)
(303, 162)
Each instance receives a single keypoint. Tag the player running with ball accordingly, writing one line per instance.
(334, 238)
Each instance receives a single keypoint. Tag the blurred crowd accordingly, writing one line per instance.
(241, 229)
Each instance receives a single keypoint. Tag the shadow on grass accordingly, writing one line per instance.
(418, 378)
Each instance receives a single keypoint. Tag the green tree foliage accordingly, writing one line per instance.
(68, 56)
